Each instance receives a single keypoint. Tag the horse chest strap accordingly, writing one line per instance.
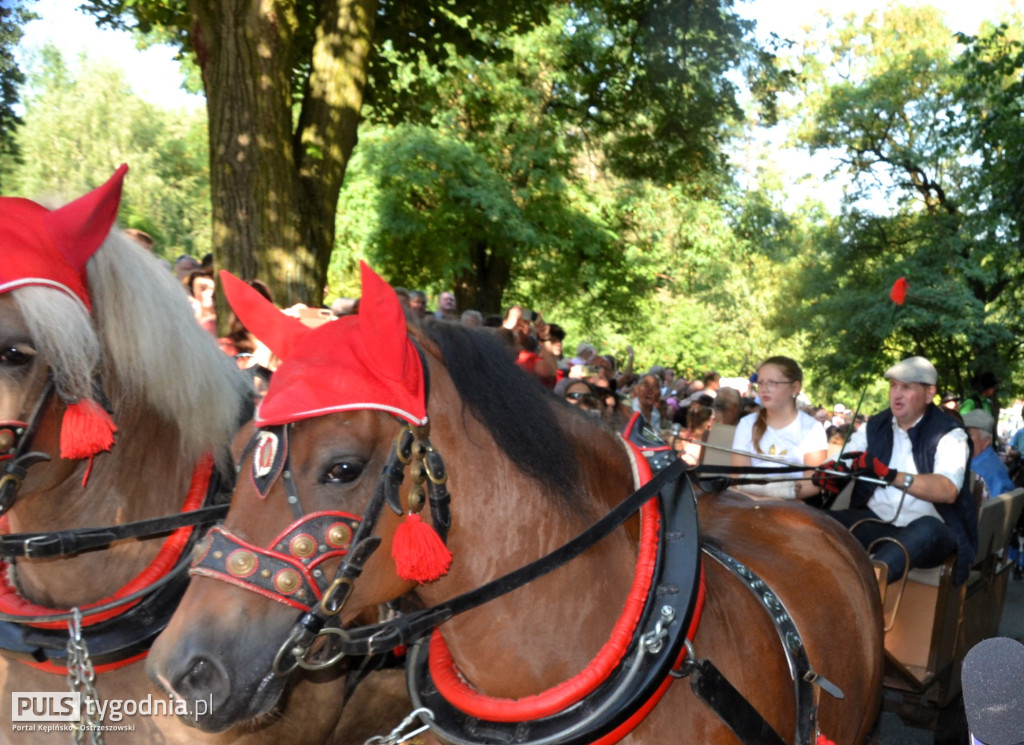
(804, 677)
(743, 719)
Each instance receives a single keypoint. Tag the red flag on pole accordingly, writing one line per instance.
(898, 293)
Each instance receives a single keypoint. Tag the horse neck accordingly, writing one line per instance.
(142, 476)
(503, 519)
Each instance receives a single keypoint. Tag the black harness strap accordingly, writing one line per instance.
(405, 629)
(68, 542)
(656, 646)
(743, 719)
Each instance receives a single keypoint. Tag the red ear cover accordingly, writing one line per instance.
(40, 247)
(263, 319)
(365, 361)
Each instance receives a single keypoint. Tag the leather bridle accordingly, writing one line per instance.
(289, 569)
(17, 437)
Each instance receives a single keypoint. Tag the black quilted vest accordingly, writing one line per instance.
(962, 515)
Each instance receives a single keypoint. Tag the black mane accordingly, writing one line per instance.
(513, 406)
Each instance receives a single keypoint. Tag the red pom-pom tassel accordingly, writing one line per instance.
(419, 553)
(822, 740)
(86, 430)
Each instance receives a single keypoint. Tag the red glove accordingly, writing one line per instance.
(830, 483)
(869, 465)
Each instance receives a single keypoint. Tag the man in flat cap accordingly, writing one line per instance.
(923, 455)
(986, 461)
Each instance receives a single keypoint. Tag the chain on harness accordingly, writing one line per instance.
(81, 679)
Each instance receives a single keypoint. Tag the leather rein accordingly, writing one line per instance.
(120, 628)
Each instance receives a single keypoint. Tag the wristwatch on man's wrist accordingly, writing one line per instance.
(908, 479)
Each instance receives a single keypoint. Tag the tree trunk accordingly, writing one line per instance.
(482, 286)
(275, 185)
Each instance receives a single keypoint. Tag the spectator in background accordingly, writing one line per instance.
(781, 430)
(403, 298)
(344, 306)
(647, 400)
(200, 287)
(951, 401)
(687, 443)
(579, 393)
(472, 318)
(986, 461)
(711, 383)
(983, 397)
(418, 303)
(551, 343)
(184, 265)
(728, 407)
(446, 307)
(533, 357)
(668, 381)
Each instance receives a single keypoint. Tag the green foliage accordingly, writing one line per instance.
(924, 128)
(13, 16)
(80, 124)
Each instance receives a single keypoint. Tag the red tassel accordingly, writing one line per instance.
(87, 429)
(822, 740)
(420, 554)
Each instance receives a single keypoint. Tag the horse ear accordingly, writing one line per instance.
(383, 328)
(79, 228)
(280, 332)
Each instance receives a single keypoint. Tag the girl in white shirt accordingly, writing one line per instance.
(780, 430)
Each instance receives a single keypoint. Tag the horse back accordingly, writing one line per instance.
(825, 581)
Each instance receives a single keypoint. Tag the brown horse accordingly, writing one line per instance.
(110, 325)
(526, 474)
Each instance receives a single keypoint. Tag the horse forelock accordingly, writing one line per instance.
(515, 409)
(156, 358)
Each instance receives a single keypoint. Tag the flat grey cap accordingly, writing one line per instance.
(979, 419)
(913, 370)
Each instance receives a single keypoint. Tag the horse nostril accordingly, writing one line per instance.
(201, 678)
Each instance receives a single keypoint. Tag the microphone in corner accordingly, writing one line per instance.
(993, 683)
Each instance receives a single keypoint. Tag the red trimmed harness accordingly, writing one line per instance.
(25, 612)
(460, 694)
(614, 656)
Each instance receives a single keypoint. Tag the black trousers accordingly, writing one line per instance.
(928, 540)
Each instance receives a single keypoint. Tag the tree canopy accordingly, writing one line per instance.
(584, 160)
(919, 119)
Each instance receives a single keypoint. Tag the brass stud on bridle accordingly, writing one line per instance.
(302, 546)
(241, 563)
(339, 535)
(286, 581)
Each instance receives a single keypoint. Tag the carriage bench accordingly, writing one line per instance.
(936, 623)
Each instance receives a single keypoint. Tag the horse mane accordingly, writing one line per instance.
(517, 411)
(144, 342)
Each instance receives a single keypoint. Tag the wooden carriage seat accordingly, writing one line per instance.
(936, 622)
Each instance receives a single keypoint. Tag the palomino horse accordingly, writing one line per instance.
(561, 658)
(86, 316)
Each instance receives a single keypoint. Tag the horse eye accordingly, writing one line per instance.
(344, 472)
(16, 356)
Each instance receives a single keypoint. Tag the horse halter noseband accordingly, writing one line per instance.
(288, 570)
(15, 439)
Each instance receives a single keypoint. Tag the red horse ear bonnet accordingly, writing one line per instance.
(50, 249)
(365, 361)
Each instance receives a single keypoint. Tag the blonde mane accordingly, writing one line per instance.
(143, 339)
